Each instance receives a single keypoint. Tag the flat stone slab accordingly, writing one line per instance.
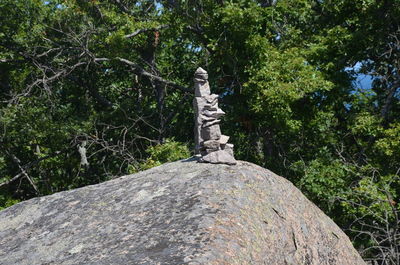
(219, 157)
(212, 132)
(178, 213)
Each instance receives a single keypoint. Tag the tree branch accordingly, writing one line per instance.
(140, 71)
(122, 7)
(24, 168)
(139, 31)
(388, 101)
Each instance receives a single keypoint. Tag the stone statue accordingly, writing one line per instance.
(211, 145)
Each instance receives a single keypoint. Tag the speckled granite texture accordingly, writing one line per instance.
(178, 213)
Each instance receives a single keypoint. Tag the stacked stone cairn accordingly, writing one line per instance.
(211, 145)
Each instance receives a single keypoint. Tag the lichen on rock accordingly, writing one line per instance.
(178, 213)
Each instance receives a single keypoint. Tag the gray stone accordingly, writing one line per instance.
(179, 213)
(219, 157)
(201, 86)
(211, 108)
(224, 139)
(212, 132)
(206, 151)
(228, 148)
(199, 103)
(207, 121)
(210, 122)
(214, 114)
(212, 99)
(201, 89)
(211, 144)
(201, 74)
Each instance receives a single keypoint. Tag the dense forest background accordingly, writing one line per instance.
(91, 90)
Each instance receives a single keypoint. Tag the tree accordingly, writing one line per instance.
(110, 81)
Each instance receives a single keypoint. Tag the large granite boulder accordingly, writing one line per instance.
(178, 213)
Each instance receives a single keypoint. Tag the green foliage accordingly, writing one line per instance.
(159, 154)
(326, 181)
(286, 77)
(6, 202)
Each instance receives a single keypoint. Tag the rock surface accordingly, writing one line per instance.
(178, 213)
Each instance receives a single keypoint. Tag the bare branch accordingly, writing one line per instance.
(122, 7)
(28, 166)
(388, 101)
(140, 71)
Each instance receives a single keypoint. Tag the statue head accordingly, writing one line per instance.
(200, 74)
